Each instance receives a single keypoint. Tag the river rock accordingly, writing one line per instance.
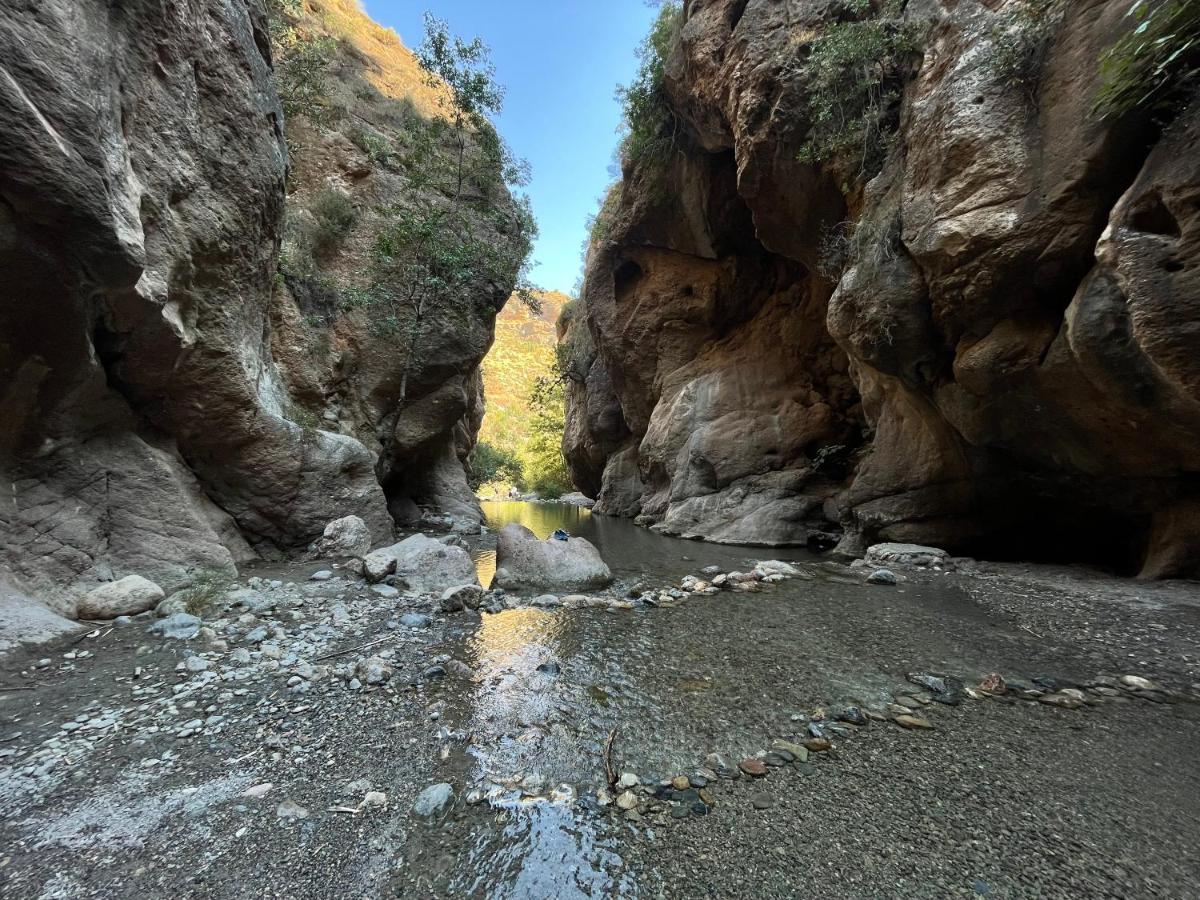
(883, 576)
(178, 626)
(434, 800)
(522, 561)
(906, 555)
(911, 721)
(467, 596)
(127, 597)
(423, 563)
(342, 538)
(753, 766)
(774, 567)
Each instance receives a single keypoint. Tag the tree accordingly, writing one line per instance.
(457, 232)
(543, 468)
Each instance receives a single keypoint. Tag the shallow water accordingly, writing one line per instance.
(633, 553)
(717, 673)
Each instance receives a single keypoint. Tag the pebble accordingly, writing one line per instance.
(762, 801)
(628, 780)
(433, 800)
(259, 790)
(915, 722)
(290, 810)
(681, 782)
(797, 751)
(817, 745)
(753, 767)
(883, 576)
(385, 591)
(196, 664)
(415, 620)
(1061, 700)
(323, 575)
(1142, 684)
(853, 715)
(374, 800)
(627, 800)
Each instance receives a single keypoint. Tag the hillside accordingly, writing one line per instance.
(523, 352)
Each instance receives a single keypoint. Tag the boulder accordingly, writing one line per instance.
(344, 537)
(522, 561)
(423, 563)
(906, 555)
(127, 597)
(577, 499)
(456, 598)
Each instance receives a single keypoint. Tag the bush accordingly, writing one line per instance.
(493, 464)
(1154, 62)
(854, 73)
(1020, 43)
(649, 123)
(335, 216)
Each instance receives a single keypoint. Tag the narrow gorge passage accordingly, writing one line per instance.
(431, 475)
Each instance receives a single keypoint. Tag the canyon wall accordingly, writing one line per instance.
(171, 403)
(1008, 361)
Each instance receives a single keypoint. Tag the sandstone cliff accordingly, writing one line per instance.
(1002, 356)
(167, 408)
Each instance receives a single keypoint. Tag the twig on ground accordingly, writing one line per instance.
(382, 640)
(609, 772)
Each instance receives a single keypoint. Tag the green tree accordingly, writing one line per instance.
(544, 470)
(493, 464)
(457, 233)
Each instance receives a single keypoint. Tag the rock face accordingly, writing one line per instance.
(1006, 365)
(522, 561)
(163, 408)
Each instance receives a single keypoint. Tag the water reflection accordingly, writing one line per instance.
(632, 552)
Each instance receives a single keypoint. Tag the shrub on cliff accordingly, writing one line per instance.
(1158, 57)
(650, 125)
(854, 71)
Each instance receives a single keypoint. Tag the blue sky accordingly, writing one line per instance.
(560, 62)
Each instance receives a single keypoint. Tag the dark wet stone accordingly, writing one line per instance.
(689, 796)
(853, 715)
(699, 781)
(435, 672)
(701, 809)
(722, 766)
(762, 801)
(946, 689)
(784, 755)
(774, 760)
(815, 730)
(806, 769)
(550, 668)
(680, 812)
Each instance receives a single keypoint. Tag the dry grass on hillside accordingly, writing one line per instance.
(392, 68)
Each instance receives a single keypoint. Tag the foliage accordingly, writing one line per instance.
(204, 591)
(302, 64)
(335, 216)
(576, 350)
(456, 231)
(1157, 58)
(649, 124)
(868, 244)
(854, 72)
(373, 144)
(1020, 43)
(543, 468)
(493, 464)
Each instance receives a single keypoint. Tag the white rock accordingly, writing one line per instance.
(522, 561)
(127, 597)
(345, 537)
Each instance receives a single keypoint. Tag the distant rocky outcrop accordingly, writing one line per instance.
(171, 403)
(988, 340)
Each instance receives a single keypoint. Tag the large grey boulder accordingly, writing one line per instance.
(906, 555)
(522, 561)
(344, 537)
(423, 563)
(127, 597)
